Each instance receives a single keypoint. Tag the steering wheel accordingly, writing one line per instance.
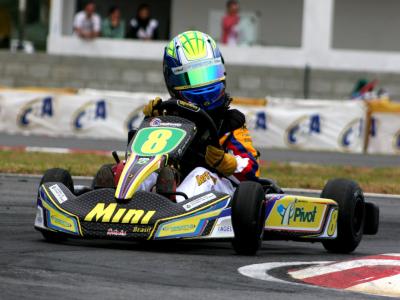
(193, 113)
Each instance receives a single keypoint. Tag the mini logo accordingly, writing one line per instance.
(295, 214)
(155, 122)
(116, 232)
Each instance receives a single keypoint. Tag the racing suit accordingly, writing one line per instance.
(235, 139)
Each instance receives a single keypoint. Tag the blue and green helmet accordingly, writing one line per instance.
(194, 70)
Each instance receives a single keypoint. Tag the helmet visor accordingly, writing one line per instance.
(198, 74)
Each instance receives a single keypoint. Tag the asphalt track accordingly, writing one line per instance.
(31, 268)
(280, 155)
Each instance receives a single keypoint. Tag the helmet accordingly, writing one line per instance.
(194, 70)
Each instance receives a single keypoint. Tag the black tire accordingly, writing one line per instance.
(53, 237)
(64, 177)
(58, 175)
(248, 217)
(104, 177)
(351, 214)
(371, 225)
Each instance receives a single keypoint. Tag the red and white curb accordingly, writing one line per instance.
(376, 275)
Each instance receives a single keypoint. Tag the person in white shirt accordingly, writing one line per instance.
(87, 23)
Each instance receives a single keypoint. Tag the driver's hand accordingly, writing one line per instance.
(149, 109)
(224, 163)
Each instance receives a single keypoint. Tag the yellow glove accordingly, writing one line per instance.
(148, 109)
(224, 163)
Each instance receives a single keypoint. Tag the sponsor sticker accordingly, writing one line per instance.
(225, 228)
(204, 177)
(180, 228)
(141, 229)
(296, 214)
(199, 201)
(157, 122)
(115, 232)
(143, 160)
(188, 106)
(60, 222)
(58, 193)
(293, 213)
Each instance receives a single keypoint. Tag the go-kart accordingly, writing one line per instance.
(115, 208)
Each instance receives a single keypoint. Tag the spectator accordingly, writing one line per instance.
(230, 22)
(113, 26)
(143, 27)
(87, 22)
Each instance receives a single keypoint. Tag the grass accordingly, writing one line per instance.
(377, 180)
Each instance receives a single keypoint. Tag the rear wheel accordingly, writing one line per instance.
(248, 217)
(58, 175)
(351, 217)
(64, 177)
(104, 177)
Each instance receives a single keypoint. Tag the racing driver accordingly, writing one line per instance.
(194, 72)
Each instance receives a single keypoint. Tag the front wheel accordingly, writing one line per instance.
(64, 177)
(248, 217)
(351, 217)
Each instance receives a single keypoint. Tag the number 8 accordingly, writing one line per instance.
(156, 141)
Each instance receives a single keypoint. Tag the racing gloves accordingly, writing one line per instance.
(224, 163)
(149, 109)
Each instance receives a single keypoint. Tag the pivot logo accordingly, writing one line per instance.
(351, 135)
(302, 129)
(296, 214)
(34, 112)
(89, 114)
(257, 120)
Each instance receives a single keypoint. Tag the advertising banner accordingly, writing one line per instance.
(384, 134)
(308, 124)
(277, 123)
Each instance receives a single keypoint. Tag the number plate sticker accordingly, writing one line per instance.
(157, 141)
